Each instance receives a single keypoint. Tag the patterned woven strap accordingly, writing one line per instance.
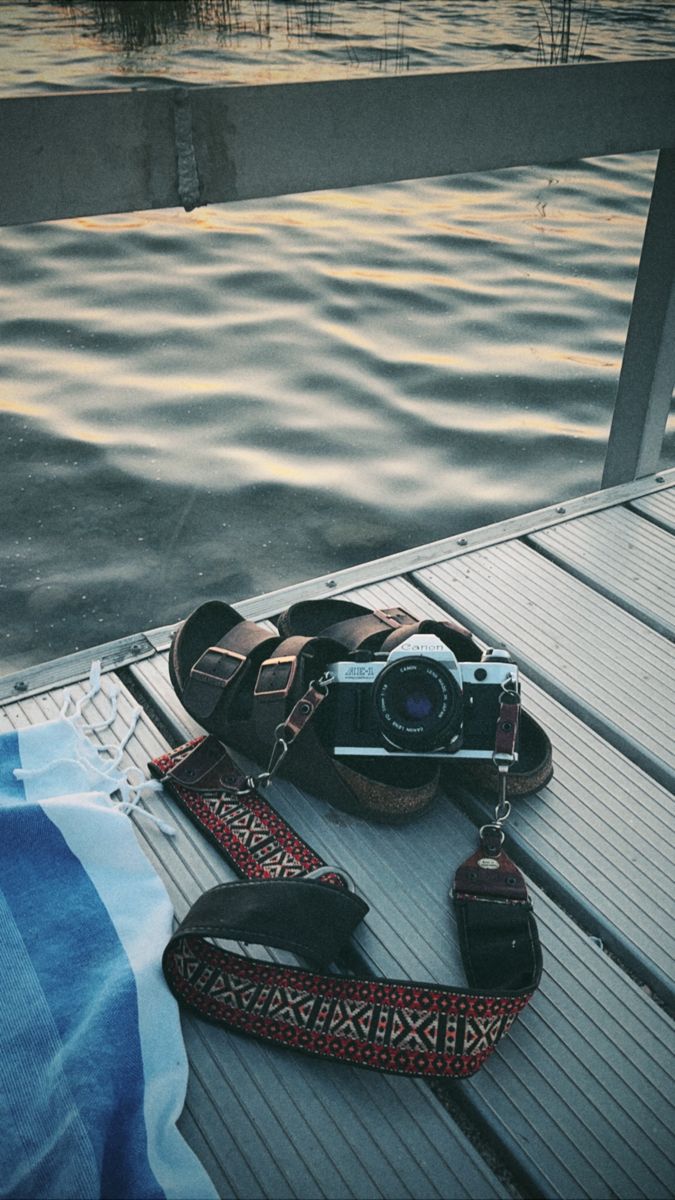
(418, 1029)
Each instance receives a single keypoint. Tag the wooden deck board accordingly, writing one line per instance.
(568, 1137)
(616, 673)
(579, 1100)
(74, 667)
(624, 557)
(659, 507)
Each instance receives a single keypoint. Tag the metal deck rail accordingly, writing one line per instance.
(83, 153)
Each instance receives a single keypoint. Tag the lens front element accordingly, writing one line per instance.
(418, 705)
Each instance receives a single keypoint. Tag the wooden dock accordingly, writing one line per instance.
(579, 1099)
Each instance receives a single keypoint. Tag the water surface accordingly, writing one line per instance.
(222, 402)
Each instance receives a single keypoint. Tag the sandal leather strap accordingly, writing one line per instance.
(418, 1029)
(224, 670)
(451, 633)
(367, 631)
(283, 678)
(383, 629)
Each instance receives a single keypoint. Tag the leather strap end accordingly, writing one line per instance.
(304, 916)
(490, 877)
(203, 768)
(497, 929)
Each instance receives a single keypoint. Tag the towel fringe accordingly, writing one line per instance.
(128, 785)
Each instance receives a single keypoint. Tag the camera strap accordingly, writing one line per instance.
(290, 899)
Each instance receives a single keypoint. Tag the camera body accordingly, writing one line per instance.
(418, 701)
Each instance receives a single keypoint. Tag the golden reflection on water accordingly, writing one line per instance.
(22, 408)
(408, 278)
(116, 221)
(81, 432)
(504, 421)
(266, 466)
(538, 424)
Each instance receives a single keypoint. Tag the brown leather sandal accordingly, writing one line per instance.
(241, 682)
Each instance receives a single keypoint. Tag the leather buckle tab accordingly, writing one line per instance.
(276, 676)
(224, 667)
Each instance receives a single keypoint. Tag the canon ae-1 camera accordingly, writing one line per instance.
(417, 701)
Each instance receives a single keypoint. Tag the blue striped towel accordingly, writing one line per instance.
(93, 1071)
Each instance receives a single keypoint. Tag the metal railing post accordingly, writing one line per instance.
(648, 370)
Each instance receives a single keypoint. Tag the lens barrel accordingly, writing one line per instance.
(417, 705)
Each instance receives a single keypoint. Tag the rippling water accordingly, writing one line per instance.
(221, 402)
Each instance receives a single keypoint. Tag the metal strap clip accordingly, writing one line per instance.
(503, 758)
(286, 733)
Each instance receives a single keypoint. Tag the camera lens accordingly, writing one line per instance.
(418, 705)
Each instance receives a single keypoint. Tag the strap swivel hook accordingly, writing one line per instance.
(492, 834)
(286, 733)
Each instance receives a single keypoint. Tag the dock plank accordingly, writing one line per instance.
(310, 1129)
(659, 507)
(582, 835)
(74, 667)
(624, 557)
(579, 1100)
(614, 672)
(570, 1091)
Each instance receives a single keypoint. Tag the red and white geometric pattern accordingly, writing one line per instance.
(386, 1025)
(435, 1032)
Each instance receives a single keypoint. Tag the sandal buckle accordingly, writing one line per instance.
(276, 676)
(228, 664)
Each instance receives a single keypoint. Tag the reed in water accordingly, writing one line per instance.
(135, 24)
(561, 38)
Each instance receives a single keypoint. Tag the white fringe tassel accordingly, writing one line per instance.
(124, 786)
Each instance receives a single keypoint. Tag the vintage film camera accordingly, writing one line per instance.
(417, 701)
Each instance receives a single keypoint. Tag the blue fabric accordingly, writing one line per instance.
(92, 1065)
(10, 787)
(97, 1020)
(45, 1148)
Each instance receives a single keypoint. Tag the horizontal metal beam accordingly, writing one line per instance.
(84, 153)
